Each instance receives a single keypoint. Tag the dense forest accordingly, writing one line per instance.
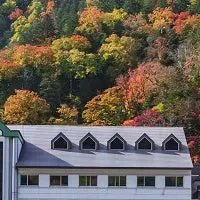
(96, 62)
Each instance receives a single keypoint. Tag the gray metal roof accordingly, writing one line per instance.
(37, 152)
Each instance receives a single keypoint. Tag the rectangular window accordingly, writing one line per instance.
(173, 181)
(29, 180)
(116, 180)
(59, 180)
(87, 180)
(146, 181)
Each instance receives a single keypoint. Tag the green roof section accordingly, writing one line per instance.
(6, 132)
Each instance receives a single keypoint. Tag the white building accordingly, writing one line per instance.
(94, 163)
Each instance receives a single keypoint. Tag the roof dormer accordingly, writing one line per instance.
(61, 142)
(144, 143)
(116, 143)
(89, 142)
(171, 143)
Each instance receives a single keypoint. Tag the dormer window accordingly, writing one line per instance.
(171, 144)
(61, 142)
(89, 142)
(144, 143)
(116, 143)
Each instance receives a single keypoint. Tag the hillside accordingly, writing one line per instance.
(119, 62)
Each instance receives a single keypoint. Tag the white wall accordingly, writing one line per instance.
(103, 192)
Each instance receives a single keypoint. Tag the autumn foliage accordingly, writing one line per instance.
(15, 14)
(68, 115)
(33, 55)
(148, 118)
(25, 107)
(90, 20)
(8, 67)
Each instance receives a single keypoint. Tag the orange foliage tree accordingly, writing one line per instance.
(90, 20)
(68, 115)
(162, 18)
(106, 108)
(36, 56)
(144, 82)
(26, 107)
(8, 67)
(184, 20)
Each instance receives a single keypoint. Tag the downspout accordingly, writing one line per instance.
(14, 172)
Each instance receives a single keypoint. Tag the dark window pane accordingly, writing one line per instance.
(60, 143)
(179, 181)
(88, 144)
(23, 180)
(122, 180)
(111, 181)
(117, 181)
(33, 180)
(150, 181)
(88, 180)
(140, 181)
(82, 180)
(117, 144)
(171, 145)
(54, 180)
(64, 180)
(93, 180)
(144, 144)
(170, 181)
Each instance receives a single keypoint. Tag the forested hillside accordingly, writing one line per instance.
(96, 62)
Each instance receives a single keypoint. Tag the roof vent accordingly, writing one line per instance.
(61, 142)
(116, 143)
(171, 143)
(89, 142)
(144, 143)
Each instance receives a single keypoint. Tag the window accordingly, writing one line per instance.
(144, 144)
(29, 180)
(171, 181)
(171, 145)
(146, 181)
(60, 143)
(116, 144)
(59, 180)
(89, 143)
(87, 180)
(117, 181)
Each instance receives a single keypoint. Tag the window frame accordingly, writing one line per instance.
(85, 140)
(176, 183)
(119, 179)
(60, 135)
(27, 180)
(58, 139)
(60, 185)
(144, 180)
(90, 180)
(138, 142)
(172, 136)
(118, 139)
(171, 149)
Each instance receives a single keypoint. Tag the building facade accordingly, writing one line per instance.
(94, 163)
